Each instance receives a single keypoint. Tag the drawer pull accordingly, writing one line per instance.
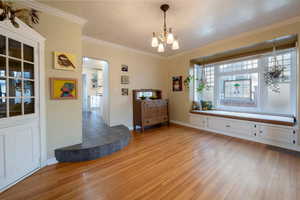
(228, 126)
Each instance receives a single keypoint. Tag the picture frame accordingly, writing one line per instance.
(124, 68)
(63, 88)
(65, 61)
(124, 79)
(177, 83)
(124, 91)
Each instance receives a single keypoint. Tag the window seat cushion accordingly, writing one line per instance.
(262, 118)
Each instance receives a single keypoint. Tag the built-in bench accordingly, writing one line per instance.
(268, 129)
(263, 118)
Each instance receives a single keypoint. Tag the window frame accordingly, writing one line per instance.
(261, 96)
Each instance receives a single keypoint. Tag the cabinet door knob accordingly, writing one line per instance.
(228, 126)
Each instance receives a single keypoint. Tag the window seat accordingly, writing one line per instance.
(263, 118)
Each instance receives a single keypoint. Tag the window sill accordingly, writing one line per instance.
(262, 118)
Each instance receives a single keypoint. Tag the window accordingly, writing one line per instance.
(17, 95)
(239, 85)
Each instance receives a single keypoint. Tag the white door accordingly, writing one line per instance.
(19, 110)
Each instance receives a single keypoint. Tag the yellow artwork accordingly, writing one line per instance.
(63, 88)
(64, 61)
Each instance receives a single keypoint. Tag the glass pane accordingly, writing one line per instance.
(28, 71)
(3, 87)
(14, 48)
(28, 106)
(2, 45)
(2, 66)
(28, 88)
(28, 53)
(14, 68)
(15, 88)
(15, 107)
(2, 108)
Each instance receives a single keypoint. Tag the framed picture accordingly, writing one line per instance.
(124, 91)
(124, 68)
(63, 88)
(124, 79)
(177, 83)
(64, 61)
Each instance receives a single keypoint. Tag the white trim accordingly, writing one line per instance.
(53, 11)
(17, 181)
(102, 42)
(51, 161)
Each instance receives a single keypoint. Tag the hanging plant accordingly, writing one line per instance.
(187, 81)
(201, 86)
(8, 12)
(275, 75)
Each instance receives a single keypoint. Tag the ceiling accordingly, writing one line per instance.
(195, 22)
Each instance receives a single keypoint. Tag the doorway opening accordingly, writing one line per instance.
(95, 91)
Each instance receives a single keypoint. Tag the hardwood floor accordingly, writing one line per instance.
(172, 163)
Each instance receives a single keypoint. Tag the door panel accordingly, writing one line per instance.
(19, 152)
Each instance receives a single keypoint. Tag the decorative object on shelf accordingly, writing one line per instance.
(195, 105)
(64, 61)
(206, 105)
(124, 68)
(161, 40)
(143, 97)
(274, 74)
(63, 88)
(124, 91)
(124, 79)
(177, 83)
(8, 12)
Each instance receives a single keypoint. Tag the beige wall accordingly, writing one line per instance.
(64, 118)
(180, 102)
(145, 71)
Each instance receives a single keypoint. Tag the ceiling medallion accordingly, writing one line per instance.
(166, 37)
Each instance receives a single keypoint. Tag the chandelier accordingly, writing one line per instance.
(166, 37)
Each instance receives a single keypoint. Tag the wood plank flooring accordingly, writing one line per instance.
(172, 163)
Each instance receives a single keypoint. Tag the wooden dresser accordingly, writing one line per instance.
(147, 110)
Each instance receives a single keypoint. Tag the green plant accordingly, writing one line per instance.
(187, 81)
(201, 87)
(142, 97)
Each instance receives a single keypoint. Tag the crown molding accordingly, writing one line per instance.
(53, 11)
(242, 35)
(103, 42)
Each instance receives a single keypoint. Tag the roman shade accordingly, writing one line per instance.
(281, 43)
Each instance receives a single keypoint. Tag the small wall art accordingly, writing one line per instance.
(63, 88)
(124, 79)
(177, 83)
(64, 61)
(124, 91)
(124, 68)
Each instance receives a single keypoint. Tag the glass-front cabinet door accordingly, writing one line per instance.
(20, 139)
(17, 78)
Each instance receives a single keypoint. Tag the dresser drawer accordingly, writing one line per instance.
(277, 134)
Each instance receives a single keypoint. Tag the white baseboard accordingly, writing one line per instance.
(51, 161)
(184, 124)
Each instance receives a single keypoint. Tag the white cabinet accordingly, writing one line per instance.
(277, 134)
(229, 126)
(283, 136)
(19, 152)
(198, 121)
